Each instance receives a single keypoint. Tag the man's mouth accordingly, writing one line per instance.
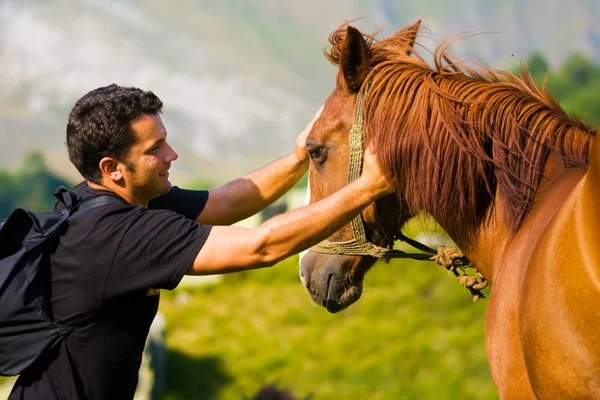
(165, 174)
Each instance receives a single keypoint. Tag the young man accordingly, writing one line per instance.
(110, 264)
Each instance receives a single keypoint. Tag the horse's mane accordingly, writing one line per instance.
(452, 136)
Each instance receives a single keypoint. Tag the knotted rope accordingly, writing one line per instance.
(453, 260)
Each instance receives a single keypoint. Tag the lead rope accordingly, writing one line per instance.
(453, 260)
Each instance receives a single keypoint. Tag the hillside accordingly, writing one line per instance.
(239, 79)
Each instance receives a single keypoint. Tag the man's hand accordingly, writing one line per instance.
(373, 175)
(300, 150)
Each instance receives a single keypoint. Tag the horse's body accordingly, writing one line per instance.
(510, 177)
(542, 318)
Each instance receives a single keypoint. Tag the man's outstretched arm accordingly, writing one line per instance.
(245, 196)
(231, 248)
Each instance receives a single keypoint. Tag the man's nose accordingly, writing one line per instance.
(172, 155)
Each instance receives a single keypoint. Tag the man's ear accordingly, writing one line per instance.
(110, 169)
(354, 59)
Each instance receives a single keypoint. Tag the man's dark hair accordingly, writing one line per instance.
(100, 126)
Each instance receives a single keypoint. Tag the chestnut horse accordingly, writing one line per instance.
(505, 172)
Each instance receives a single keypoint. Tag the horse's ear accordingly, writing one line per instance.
(411, 33)
(405, 37)
(354, 59)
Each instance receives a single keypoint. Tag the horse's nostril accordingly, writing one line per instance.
(327, 288)
(301, 273)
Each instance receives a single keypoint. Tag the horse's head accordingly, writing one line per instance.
(335, 281)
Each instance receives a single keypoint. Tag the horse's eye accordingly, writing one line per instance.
(317, 153)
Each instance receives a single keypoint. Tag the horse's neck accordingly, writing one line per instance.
(497, 246)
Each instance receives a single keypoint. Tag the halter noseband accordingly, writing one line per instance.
(451, 259)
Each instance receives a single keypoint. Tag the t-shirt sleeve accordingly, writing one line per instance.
(182, 201)
(155, 251)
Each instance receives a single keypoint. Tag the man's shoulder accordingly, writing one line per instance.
(116, 219)
(188, 203)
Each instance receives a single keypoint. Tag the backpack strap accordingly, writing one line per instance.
(99, 201)
(73, 202)
(67, 197)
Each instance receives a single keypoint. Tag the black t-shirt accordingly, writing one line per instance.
(105, 276)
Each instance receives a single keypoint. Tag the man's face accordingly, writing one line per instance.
(150, 159)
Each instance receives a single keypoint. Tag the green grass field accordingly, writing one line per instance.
(414, 334)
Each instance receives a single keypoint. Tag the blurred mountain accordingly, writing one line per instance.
(239, 79)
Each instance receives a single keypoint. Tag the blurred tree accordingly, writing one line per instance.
(577, 87)
(6, 195)
(34, 164)
(537, 66)
(585, 103)
(31, 187)
(578, 70)
(575, 84)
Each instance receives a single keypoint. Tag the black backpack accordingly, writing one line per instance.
(27, 240)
